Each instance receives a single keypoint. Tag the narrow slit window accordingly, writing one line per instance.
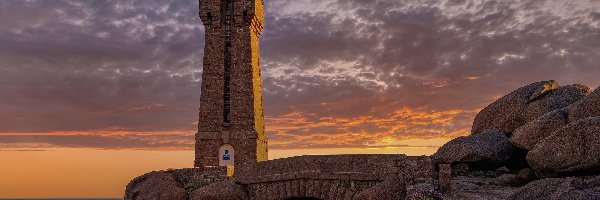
(227, 84)
(229, 6)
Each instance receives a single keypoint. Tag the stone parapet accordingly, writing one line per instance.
(368, 167)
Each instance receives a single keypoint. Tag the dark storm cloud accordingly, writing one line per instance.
(89, 65)
(332, 68)
(427, 53)
(424, 55)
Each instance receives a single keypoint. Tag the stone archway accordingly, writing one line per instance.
(298, 189)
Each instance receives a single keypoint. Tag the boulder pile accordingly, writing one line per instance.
(560, 188)
(551, 130)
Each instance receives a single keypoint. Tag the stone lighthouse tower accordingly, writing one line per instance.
(231, 127)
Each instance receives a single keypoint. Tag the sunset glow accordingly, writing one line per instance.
(95, 93)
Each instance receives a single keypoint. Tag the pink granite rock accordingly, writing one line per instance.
(155, 186)
(560, 188)
(528, 135)
(487, 150)
(572, 150)
(506, 114)
(225, 190)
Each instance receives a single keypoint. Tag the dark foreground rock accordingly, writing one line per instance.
(173, 184)
(389, 190)
(560, 188)
(155, 186)
(487, 150)
(226, 190)
(572, 150)
(523, 177)
(478, 188)
(506, 114)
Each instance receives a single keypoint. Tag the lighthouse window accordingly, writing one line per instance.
(227, 84)
(229, 6)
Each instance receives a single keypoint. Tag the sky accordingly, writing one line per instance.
(94, 93)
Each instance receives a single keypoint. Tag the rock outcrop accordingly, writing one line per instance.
(155, 186)
(487, 150)
(537, 131)
(587, 107)
(506, 114)
(526, 104)
(523, 177)
(173, 184)
(226, 190)
(559, 189)
(567, 98)
(558, 98)
(528, 135)
(389, 190)
(571, 150)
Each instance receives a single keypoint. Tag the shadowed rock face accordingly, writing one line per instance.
(389, 190)
(486, 150)
(559, 188)
(155, 186)
(506, 114)
(226, 190)
(572, 150)
(528, 135)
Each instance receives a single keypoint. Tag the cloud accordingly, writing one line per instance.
(297, 129)
(335, 73)
(122, 140)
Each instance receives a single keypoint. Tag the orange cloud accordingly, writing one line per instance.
(298, 129)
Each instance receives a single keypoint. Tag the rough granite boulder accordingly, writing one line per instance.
(507, 180)
(571, 150)
(528, 135)
(225, 190)
(587, 107)
(388, 190)
(506, 114)
(555, 99)
(155, 186)
(560, 188)
(487, 150)
(526, 175)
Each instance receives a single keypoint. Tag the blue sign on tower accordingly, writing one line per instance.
(226, 155)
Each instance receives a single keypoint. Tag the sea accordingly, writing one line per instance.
(63, 199)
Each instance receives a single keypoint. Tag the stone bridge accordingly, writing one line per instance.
(352, 177)
(331, 177)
